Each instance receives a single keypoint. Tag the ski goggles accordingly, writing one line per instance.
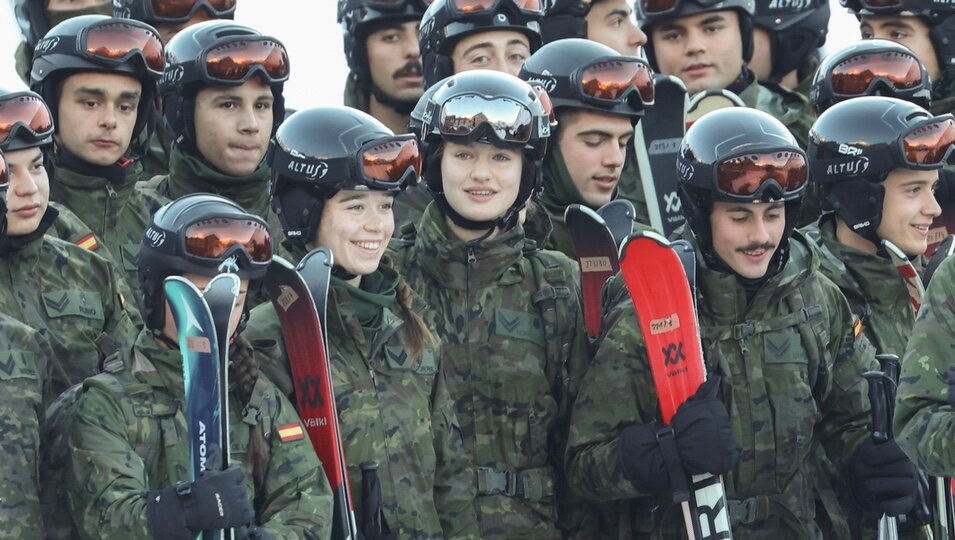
(750, 174)
(613, 80)
(929, 144)
(217, 237)
(234, 62)
(470, 117)
(880, 6)
(481, 7)
(112, 42)
(385, 164)
(392, 5)
(662, 7)
(856, 75)
(180, 11)
(24, 112)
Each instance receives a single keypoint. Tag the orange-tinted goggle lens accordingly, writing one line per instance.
(212, 238)
(929, 144)
(117, 40)
(611, 80)
(744, 175)
(27, 111)
(389, 162)
(477, 6)
(178, 9)
(233, 61)
(853, 75)
(658, 6)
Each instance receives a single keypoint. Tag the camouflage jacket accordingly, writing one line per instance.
(130, 436)
(73, 298)
(23, 363)
(923, 415)
(791, 368)
(871, 284)
(393, 410)
(513, 347)
(115, 210)
(190, 174)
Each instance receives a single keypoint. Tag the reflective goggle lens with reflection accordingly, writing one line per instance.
(27, 111)
(510, 120)
(212, 238)
(854, 75)
(614, 79)
(744, 175)
(235, 60)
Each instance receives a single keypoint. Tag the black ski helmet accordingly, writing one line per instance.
(31, 16)
(683, 8)
(417, 114)
(152, 12)
(475, 91)
(566, 19)
(822, 95)
(360, 18)
(32, 121)
(443, 25)
(186, 72)
(318, 152)
(853, 146)
(58, 56)
(165, 249)
(723, 137)
(796, 31)
(557, 67)
(937, 15)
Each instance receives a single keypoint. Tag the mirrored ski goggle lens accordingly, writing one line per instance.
(178, 9)
(389, 162)
(478, 6)
(212, 238)
(744, 175)
(28, 111)
(853, 75)
(658, 6)
(116, 41)
(880, 4)
(510, 121)
(929, 144)
(233, 61)
(613, 79)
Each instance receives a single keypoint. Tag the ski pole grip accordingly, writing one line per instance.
(877, 404)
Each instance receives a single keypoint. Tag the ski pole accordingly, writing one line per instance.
(888, 525)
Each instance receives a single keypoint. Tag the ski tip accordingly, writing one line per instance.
(581, 210)
(319, 255)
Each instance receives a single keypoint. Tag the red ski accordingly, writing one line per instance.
(597, 256)
(664, 305)
(306, 348)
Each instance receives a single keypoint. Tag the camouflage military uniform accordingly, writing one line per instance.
(190, 174)
(514, 348)
(923, 415)
(158, 151)
(72, 296)
(791, 369)
(130, 434)
(116, 211)
(23, 362)
(392, 410)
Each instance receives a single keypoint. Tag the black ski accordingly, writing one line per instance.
(708, 101)
(657, 138)
(943, 250)
(597, 256)
(619, 215)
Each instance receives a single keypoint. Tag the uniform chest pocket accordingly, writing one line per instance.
(510, 324)
(73, 303)
(786, 368)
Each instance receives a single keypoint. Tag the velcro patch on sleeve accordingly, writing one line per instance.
(290, 432)
(88, 242)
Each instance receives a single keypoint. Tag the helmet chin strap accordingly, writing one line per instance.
(400, 106)
(505, 222)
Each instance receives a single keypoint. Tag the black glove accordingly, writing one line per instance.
(216, 500)
(703, 437)
(703, 432)
(883, 479)
(251, 532)
(951, 385)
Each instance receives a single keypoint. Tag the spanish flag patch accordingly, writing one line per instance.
(88, 242)
(290, 432)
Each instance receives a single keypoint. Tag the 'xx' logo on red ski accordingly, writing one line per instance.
(673, 354)
(310, 388)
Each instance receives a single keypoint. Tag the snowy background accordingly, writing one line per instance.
(313, 38)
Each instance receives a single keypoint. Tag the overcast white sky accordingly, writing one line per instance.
(313, 38)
